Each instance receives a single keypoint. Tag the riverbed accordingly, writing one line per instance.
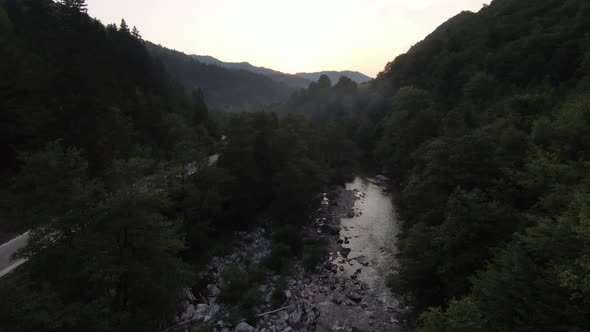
(355, 297)
(371, 235)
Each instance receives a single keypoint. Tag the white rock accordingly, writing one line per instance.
(243, 327)
(283, 315)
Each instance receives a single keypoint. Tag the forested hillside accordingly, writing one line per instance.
(293, 81)
(482, 128)
(487, 136)
(106, 165)
(221, 86)
(91, 127)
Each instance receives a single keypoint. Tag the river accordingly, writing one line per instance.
(372, 237)
(359, 299)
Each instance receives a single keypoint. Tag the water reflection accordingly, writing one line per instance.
(371, 234)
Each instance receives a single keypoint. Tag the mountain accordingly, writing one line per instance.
(293, 81)
(222, 85)
(335, 76)
(299, 80)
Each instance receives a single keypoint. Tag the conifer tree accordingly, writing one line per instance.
(124, 27)
(79, 5)
(135, 33)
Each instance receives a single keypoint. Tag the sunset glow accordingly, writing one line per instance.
(290, 36)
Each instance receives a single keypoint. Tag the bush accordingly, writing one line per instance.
(240, 287)
(279, 259)
(289, 236)
(278, 295)
(314, 253)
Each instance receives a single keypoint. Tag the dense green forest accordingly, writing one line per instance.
(222, 87)
(98, 141)
(482, 128)
(487, 137)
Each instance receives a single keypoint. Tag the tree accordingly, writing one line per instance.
(135, 33)
(324, 82)
(123, 26)
(53, 192)
(346, 86)
(78, 5)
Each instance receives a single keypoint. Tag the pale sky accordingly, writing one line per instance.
(289, 36)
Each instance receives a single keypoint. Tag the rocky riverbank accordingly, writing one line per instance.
(332, 298)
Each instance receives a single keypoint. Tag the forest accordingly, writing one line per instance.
(481, 127)
(486, 137)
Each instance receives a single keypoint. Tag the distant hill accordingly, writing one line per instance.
(299, 80)
(335, 76)
(222, 85)
(293, 81)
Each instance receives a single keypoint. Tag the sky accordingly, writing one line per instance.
(289, 36)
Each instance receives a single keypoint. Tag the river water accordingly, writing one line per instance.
(372, 237)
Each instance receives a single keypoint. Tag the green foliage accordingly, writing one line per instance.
(487, 138)
(224, 88)
(278, 296)
(90, 180)
(240, 289)
(461, 316)
(314, 254)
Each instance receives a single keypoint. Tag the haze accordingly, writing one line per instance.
(290, 36)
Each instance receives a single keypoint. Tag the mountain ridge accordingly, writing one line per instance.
(299, 80)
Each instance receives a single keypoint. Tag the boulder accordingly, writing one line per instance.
(283, 315)
(200, 313)
(288, 294)
(295, 319)
(188, 313)
(356, 297)
(243, 327)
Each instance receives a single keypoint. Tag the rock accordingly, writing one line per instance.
(295, 319)
(262, 289)
(189, 295)
(280, 325)
(356, 297)
(337, 327)
(200, 313)
(188, 313)
(288, 294)
(345, 251)
(283, 315)
(243, 327)
(336, 300)
(329, 229)
(331, 267)
(212, 312)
